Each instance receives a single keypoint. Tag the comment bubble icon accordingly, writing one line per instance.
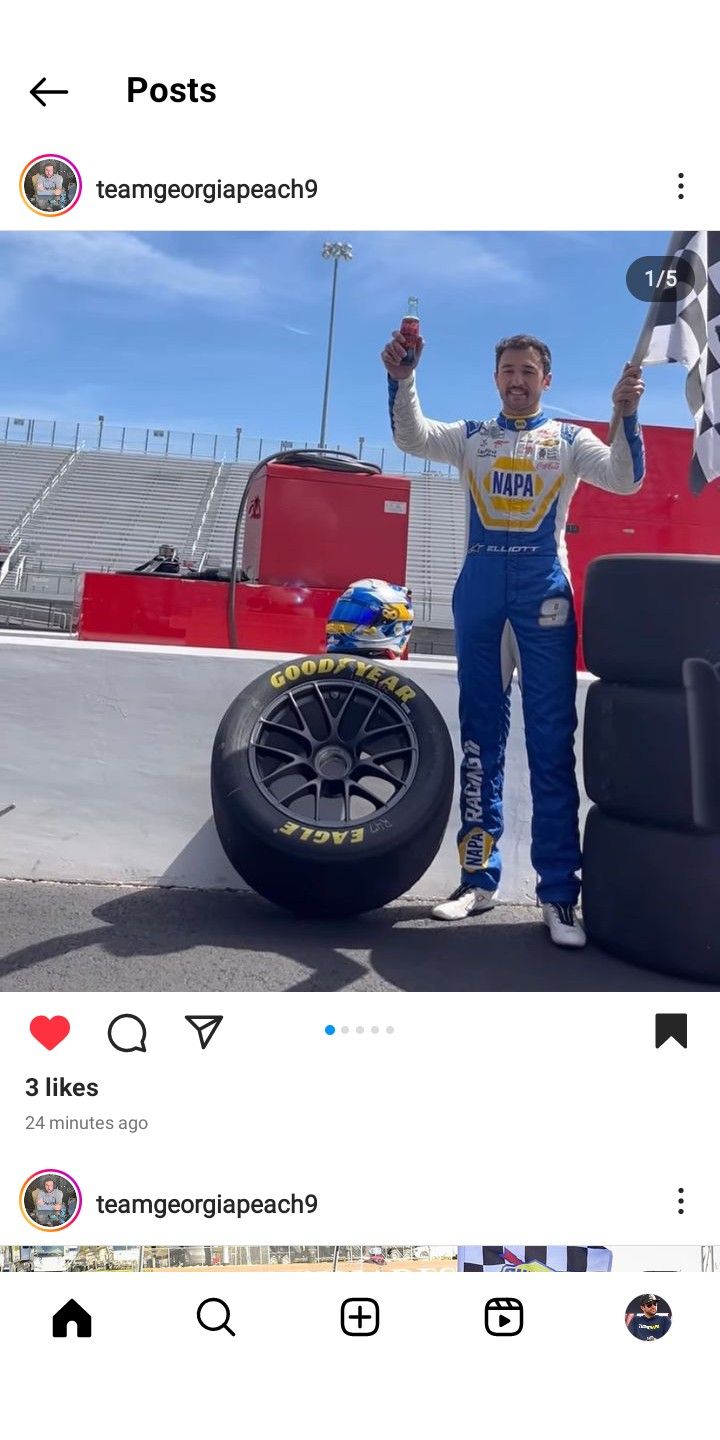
(127, 1033)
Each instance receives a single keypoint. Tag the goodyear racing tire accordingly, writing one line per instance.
(636, 754)
(332, 780)
(643, 615)
(651, 895)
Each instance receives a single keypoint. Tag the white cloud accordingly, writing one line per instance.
(109, 262)
(75, 400)
(250, 278)
(425, 256)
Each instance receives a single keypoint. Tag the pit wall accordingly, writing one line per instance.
(105, 764)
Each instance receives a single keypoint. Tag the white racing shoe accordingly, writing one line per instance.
(564, 926)
(466, 900)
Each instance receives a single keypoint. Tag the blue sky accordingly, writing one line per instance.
(208, 331)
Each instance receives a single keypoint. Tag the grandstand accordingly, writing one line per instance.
(436, 546)
(67, 510)
(27, 471)
(112, 511)
(217, 539)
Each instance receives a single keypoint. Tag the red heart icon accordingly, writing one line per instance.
(49, 1032)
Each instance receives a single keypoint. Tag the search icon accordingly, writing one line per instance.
(211, 1325)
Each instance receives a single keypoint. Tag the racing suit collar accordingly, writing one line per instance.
(520, 422)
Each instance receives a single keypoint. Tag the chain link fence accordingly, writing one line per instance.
(235, 446)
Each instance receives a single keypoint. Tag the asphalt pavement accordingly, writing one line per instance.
(58, 936)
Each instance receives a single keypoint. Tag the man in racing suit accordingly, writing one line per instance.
(513, 607)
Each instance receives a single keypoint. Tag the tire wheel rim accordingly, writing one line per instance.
(333, 753)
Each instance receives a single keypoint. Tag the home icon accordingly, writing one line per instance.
(72, 1314)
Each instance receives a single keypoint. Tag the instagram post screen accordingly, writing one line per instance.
(357, 712)
(359, 720)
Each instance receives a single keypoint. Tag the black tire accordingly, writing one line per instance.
(702, 693)
(643, 615)
(316, 839)
(651, 896)
(636, 754)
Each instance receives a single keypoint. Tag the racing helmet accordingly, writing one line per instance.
(371, 617)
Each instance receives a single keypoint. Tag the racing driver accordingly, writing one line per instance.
(513, 607)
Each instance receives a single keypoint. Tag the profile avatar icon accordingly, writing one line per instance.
(648, 1317)
(50, 185)
(50, 1200)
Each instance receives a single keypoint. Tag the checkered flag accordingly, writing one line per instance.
(687, 331)
(562, 1258)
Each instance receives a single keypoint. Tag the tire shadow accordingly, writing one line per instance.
(227, 940)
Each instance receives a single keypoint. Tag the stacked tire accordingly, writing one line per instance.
(702, 689)
(651, 862)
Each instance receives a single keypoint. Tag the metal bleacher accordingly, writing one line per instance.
(436, 545)
(217, 539)
(25, 472)
(111, 510)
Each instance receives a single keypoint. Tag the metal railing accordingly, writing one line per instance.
(34, 615)
(192, 444)
(6, 555)
(201, 514)
(39, 499)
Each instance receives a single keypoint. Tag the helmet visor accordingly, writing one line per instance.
(354, 612)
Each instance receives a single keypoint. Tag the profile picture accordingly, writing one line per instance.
(50, 1199)
(648, 1317)
(50, 184)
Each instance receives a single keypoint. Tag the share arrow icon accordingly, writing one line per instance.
(206, 1026)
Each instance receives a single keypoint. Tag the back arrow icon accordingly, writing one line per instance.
(38, 93)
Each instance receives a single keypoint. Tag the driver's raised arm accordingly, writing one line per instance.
(412, 431)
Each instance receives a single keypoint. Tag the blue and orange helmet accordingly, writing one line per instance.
(371, 617)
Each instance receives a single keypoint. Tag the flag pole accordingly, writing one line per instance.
(638, 354)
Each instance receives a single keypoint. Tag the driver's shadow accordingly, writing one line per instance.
(174, 939)
(244, 939)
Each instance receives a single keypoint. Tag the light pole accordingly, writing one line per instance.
(334, 250)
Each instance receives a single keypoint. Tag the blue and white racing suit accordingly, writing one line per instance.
(513, 606)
